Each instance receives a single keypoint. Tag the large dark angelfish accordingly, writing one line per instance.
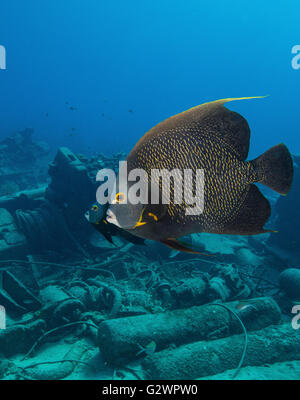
(216, 140)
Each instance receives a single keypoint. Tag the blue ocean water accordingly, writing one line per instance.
(156, 58)
(93, 76)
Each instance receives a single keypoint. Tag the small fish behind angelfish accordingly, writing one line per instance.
(96, 216)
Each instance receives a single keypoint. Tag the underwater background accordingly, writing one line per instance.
(156, 58)
(84, 80)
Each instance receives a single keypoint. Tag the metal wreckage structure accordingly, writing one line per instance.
(172, 317)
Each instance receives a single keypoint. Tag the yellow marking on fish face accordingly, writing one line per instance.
(103, 221)
(153, 215)
(120, 197)
(140, 223)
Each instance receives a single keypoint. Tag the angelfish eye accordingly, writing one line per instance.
(120, 197)
(95, 207)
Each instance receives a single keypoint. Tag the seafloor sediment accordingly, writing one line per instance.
(79, 307)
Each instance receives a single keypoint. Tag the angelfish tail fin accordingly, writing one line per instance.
(274, 168)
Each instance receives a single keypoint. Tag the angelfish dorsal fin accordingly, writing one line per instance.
(214, 119)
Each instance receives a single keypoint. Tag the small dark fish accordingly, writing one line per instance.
(149, 349)
(130, 110)
(102, 115)
(96, 216)
(246, 304)
(73, 129)
(73, 108)
(46, 115)
(212, 138)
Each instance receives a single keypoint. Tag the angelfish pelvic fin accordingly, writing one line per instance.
(108, 237)
(175, 244)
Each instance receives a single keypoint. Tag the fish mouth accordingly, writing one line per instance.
(111, 218)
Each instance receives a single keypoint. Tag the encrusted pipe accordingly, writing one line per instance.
(266, 346)
(120, 339)
(289, 281)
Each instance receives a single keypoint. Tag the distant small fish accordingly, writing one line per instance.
(73, 129)
(244, 305)
(102, 115)
(148, 349)
(73, 108)
(130, 110)
(46, 115)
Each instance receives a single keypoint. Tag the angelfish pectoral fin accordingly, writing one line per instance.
(108, 237)
(175, 244)
(100, 228)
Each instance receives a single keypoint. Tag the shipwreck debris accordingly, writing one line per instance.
(118, 339)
